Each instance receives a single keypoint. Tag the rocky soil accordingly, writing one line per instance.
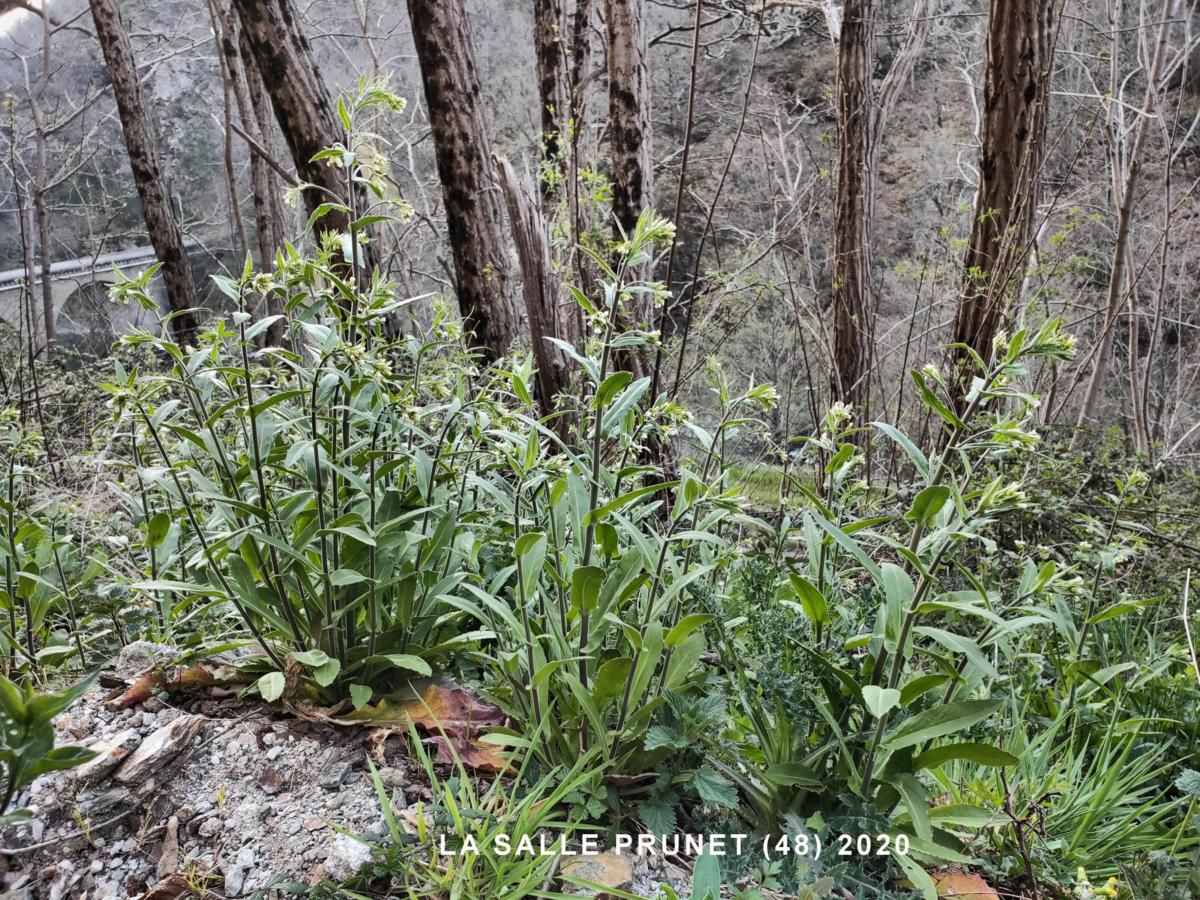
(215, 796)
(221, 795)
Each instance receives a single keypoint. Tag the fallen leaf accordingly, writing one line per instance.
(201, 675)
(175, 887)
(377, 742)
(441, 705)
(475, 754)
(968, 886)
(447, 712)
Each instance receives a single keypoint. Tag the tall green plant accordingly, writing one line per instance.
(594, 615)
(907, 684)
(314, 485)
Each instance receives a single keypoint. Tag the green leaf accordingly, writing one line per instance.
(956, 643)
(939, 721)
(919, 459)
(812, 601)
(612, 384)
(1111, 612)
(933, 401)
(713, 787)
(918, 876)
(927, 504)
(880, 701)
(270, 686)
(157, 528)
(404, 661)
(360, 695)
(919, 686)
(898, 590)
(913, 795)
(983, 754)
(57, 759)
(660, 737)
(311, 658)
(325, 674)
(844, 452)
(793, 773)
(610, 680)
(596, 515)
(974, 817)
(623, 405)
(850, 545)
(706, 877)
(686, 626)
(585, 587)
(658, 815)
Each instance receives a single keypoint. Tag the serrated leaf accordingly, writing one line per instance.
(713, 787)
(657, 815)
(660, 736)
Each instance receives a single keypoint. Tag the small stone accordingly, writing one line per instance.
(104, 804)
(345, 857)
(139, 656)
(116, 862)
(235, 879)
(96, 867)
(336, 777)
(211, 827)
(158, 749)
(110, 753)
(168, 860)
(275, 752)
(270, 780)
(313, 824)
(612, 870)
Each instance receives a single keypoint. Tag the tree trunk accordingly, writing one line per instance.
(862, 118)
(581, 53)
(1019, 50)
(629, 139)
(268, 213)
(539, 284)
(552, 92)
(140, 142)
(628, 112)
(473, 215)
(1124, 194)
(852, 210)
(254, 112)
(285, 62)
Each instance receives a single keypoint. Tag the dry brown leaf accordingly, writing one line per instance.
(451, 715)
(964, 886)
(201, 675)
